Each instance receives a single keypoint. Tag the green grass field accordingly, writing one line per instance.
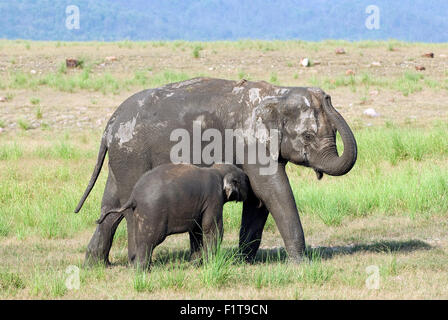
(390, 211)
(400, 171)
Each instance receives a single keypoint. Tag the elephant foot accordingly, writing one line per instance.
(248, 253)
(99, 246)
(196, 262)
(196, 258)
(299, 259)
(96, 254)
(248, 258)
(94, 259)
(197, 255)
(141, 266)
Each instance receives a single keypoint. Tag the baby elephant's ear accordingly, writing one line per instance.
(229, 187)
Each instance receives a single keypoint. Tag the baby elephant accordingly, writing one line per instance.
(182, 198)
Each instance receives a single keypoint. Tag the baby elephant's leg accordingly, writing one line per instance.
(212, 228)
(196, 243)
(147, 236)
(143, 255)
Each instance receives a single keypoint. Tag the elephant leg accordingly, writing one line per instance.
(212, 228)
(276, 193)
(195, 243)
(127, 168)
(146, 240)
(130, 224)
(101, 241)
(252, 224)
(143, 257)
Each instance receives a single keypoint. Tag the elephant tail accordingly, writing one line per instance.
(127, 205)
(96, 172)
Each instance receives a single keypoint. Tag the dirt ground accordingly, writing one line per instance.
(90, 109)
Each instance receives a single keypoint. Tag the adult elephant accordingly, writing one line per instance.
(137, 138)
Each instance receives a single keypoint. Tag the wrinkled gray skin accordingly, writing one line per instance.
(182, 198)
(137, 138)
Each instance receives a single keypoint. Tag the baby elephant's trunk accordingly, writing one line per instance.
(126, 206)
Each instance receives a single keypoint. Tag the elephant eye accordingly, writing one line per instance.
(308, 136)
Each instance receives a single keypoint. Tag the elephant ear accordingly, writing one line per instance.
(229, 187)
(268, 113)
(268, 124)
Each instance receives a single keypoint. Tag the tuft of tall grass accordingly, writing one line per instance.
(125, 44)
(310, 272)
(95, 272)
(168, 76)
(409, 83)
(10, 281)
(173, 276)
(39, 114)
(273, 79)
(10, 151)
(196, 52)
(142, 282)
(48, 283)
(216, 269)
(273, 276)
(391, 267)
(5, 226)
(62, 68)
(35, 101)
(314, 272)
(242, 75)
(140, 77)
(24, 124)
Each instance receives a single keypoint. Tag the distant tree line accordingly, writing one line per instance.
(408, 20)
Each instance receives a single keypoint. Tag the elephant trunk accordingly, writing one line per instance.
(329, 161)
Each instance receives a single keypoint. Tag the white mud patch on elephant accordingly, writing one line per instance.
(125, 132)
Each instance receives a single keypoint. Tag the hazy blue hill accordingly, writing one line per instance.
(419, 20)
